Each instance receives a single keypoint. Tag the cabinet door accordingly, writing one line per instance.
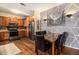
(4, 21)
(22, 33)
(1, 36)
(7, 20)
(6, 35)
(20, 22)
(0, 20)
(27, 21)
(14, 20)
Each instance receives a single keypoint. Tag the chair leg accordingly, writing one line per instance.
(58, 51)
(50, 51)
(36, 51)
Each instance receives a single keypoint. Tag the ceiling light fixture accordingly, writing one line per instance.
(22, 4)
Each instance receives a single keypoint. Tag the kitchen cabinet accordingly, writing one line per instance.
(7, 20)
(22, 33)
(20, 22)
(4, 35)
(26, 24)
(14, 20)
(0, 20)
(4, 21)
(27, 21)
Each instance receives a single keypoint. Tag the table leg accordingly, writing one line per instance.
(53, 48)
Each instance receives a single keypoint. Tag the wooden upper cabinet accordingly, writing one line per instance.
(20, 22)
(4, 21)
(7, 20)
(14, 20)
(0, 20)
(27, 21)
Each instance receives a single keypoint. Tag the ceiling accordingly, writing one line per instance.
(72, 8)
(26, 9)
(29, 8)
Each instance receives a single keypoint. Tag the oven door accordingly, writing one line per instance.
(13, 33)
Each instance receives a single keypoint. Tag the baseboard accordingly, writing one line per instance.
(72, 47)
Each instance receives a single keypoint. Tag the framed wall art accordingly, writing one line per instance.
(56, 17)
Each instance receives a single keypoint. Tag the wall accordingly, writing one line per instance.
(7, 14)
(71, 26)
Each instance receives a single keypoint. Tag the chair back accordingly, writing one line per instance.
(43, 32)
(61, 39)
(65, 35)
(38, 33)
(40, 43)
(58, 41)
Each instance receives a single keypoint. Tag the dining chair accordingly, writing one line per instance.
(41, 33)
(38, 33)
(65, 35)
(59, 43)
(42, 45)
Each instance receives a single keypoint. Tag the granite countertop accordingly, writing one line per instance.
(21, 30)
(4, 30)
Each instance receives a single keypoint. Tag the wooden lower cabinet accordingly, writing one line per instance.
(22, 33)
(4, 36)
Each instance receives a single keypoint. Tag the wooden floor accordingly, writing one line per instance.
(70, 51)
(27, 47)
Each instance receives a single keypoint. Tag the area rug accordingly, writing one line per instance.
(9, 49)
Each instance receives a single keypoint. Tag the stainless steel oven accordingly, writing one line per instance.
(13, 30)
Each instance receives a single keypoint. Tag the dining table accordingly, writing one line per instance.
(52, 37)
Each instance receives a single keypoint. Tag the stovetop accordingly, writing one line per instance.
(13, 30)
